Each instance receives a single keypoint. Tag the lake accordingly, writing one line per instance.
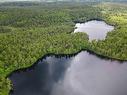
(96, 30)
(82, 74)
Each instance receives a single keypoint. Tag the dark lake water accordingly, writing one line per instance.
(82, 74)
(96, 30)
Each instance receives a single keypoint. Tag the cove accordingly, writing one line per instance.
(80, 74)
(96, 30)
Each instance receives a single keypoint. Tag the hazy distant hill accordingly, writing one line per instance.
(67, 0)
(85, 0)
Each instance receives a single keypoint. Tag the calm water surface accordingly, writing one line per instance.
(83, 74)
(96, 30)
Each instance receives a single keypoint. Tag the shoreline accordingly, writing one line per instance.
(67, 55)
(60, 55)
(30, 67)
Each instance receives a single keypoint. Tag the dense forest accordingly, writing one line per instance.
(115, 44)
(28, 32)
(31, 32)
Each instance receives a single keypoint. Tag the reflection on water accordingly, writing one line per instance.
(96, 30)
(83, 74)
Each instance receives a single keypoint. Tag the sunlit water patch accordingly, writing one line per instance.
(96, 30)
